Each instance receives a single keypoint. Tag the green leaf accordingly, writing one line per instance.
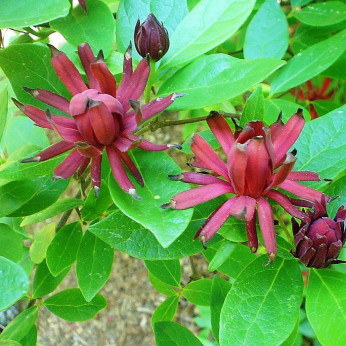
(21, 325)
(11, 246)
(320, 144)
(3, 110)
(29, 65)
(336, 188)
(174, 334)
(94, 207)
(94, 264)
(268, 295)
(60, 206)
(322, 14)
(14, 283)
(337, 69)
(124, 234)
(26, 263)
(10, 343)
(167, 225)
(62, 251)
(290, 341)
(168, 272)
(165, 311)
(70, 305)
(254, 107)
(219, 290)
(205, 27)
(43, 238)
(309, 63)
(30, 339)
(80, 27)
(198, 292)
(22, 13)
(270, 25)
(221, 255)
(214, 78)
(298, 3)
(207, 135)
(44, 282)
(162, 287)
(170, 12)
(326, 305)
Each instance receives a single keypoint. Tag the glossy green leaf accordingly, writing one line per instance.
(198, 292)
(297, 3)
(14, 283)
(166, 224)
(254, 107)
(171, 333)
(60, 206)
(211, 79)
(309, 63)
(166, 310)
(291, 340)
(170, 12)
(43, 238)
(11, 246)
(70, 305)
(320, 144)
(29, 65)
(221, 255)
(206, 26)
(94, 207)
(10, 343)
(219, 290)
(62, 251)
(337, 69)
(162, 287)
(30, 339)
(326, 305)
(322, 14)
(268, 295)
(22, 13)
(44, 282)
(80, 27)
(26, 263)
(21, 325)
(3, 110)
(167, 271)
(336, 188)
(267, 33)
(94, 264)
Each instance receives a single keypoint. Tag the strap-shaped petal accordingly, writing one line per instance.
(196, 178)
(237, 161)
(304, 176)
(131, 166)
(127, 73)
(95, 173)
(301, 190)
(69, 166)
(86, 56)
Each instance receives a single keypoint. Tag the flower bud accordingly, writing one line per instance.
(151, 38)
(320, 240)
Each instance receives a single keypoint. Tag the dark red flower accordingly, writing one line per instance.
(82, 3)
(320, 239)
(257, 164)
(151, 38)
(314, 93)
(101, 117)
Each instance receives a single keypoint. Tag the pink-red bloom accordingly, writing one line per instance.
(314, 93)
(101, 117)
(258, 163)
(320, 239)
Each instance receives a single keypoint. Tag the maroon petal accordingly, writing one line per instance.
(285, 203)
(132, 167)
(319, 260)
(138, 116)
(68, 134)
(127, 73)
(102, 122)
(119, 172)
(54, 150)
(301, 203)
(237, 161)
(334, 249)
(288, 136)
(252, 234)
(158, 105)
(124, 144)
(207, 155)
(83, 166)
(83, 5)
(196, 178)
(304, 176)
(50, 98)
(265, 217)
(221, 130)
(277, 128)
(86, 56)
(284, 171)
(69, 166)
(301, 190)
(95, 173)
(190, 198)
(106, 80)
(196, 163)
(67, 72)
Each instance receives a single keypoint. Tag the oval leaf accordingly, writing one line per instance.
(198, 292)
(167, 271)
(165, 311)
(11, 246)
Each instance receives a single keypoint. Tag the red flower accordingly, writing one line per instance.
(314, 93)
(319, 240)
(101, 117)
(257, 164)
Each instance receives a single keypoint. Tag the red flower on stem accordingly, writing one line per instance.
(314, 93)
(101, 117)
(257, 164)
(319, 239)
